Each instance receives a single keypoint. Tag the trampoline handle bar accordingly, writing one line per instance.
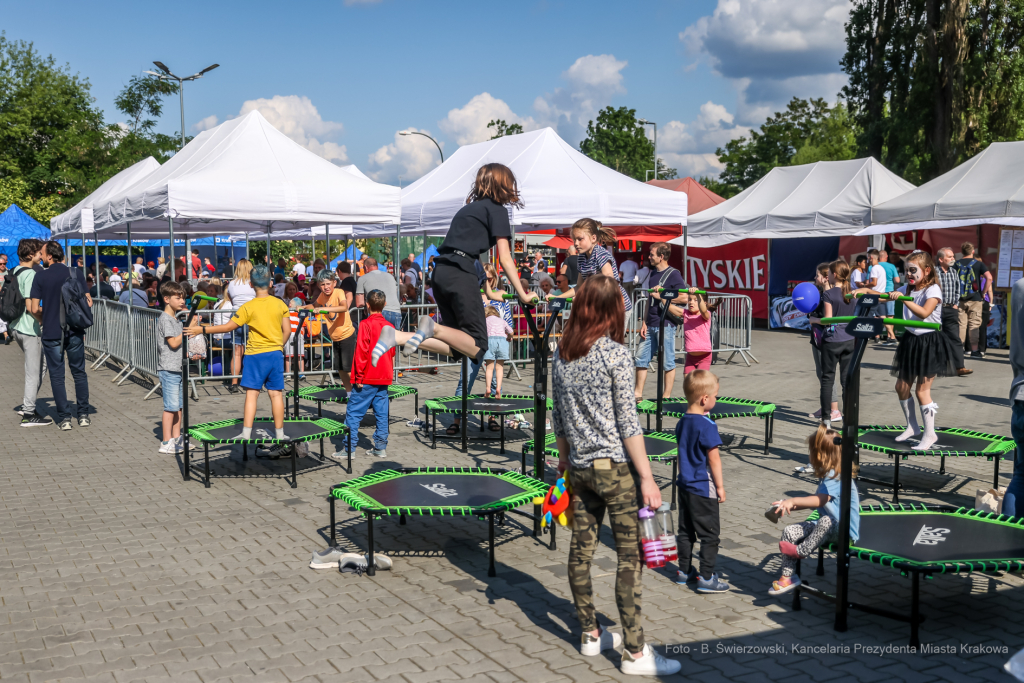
(510, 297)
(882, 297)
(681, 291)
(886, 321)
(204, 298)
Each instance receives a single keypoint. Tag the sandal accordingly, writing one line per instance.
(778, 589)
(453, 429)
(493, 425)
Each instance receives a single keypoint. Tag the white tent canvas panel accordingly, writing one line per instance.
(78, 220)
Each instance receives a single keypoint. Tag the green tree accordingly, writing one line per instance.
(807, 131)
(933, 82)
(501, 128)
(720, 188)
(49, 129)
(15, 191)
(134, 140)
(618, 141)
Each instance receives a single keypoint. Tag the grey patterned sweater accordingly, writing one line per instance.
(594, 408)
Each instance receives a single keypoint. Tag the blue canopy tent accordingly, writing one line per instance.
(431, 251)
(16, 225)
(353, 253)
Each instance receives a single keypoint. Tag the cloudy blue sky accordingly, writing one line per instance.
(342, 77)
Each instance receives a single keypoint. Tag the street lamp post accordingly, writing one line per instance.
(416, 132)
(168, 76)
(645, 122)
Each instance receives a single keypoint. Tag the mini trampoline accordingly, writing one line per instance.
(433, 491)
(922, 540)
(724, 408)
(478, 405)
(952, 442)
(336, 393)
(297, 430)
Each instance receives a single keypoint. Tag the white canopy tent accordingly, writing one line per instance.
(987, 188)
(558, 184)
(824, 199)
(78, 220)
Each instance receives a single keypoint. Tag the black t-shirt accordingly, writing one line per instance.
(572, 269)
(475, 228)
(349, 285)
(840, 308)
(972, 292)
(46, 287)
(106, 292)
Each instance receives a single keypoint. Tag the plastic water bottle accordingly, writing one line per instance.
(667, 532)
(649, 538)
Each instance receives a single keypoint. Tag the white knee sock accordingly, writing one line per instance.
(246, 432)
(385, 343)
(424, 330)
(280, 434)
(929, 438)
(910, 414)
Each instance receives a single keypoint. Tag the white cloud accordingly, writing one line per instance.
(693, 165)
(299, 119)
(205, 124)
(773, 50)
(689, 147)
(468, 125)
(409, 156)
(593, 81)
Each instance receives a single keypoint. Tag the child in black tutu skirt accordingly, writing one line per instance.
(922, 354)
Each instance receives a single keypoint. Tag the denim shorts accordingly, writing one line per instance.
(240, 335)
(170, 387)
(263, 370)
(644, 355)
(497, 348)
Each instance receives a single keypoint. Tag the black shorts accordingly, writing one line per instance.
(344, 352)
(457, 294)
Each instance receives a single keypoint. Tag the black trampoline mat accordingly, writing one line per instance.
(441, 490)
(659, 447)
(722, 407)
(946, 442)
(263, 428)
(497, 406)
(327, 395)
(936, 537)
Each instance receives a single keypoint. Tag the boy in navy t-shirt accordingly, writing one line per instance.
(701, 487)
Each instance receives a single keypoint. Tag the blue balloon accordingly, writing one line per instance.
(806, 297)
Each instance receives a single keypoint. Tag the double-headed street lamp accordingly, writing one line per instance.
(166, 75)
(645, 122)
(416, 132)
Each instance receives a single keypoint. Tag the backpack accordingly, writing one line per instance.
(75, 313)
(968, 278)
(12, 303)
(671, 317)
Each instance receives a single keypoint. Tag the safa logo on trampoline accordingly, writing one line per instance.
(930, 535)
(441, 490)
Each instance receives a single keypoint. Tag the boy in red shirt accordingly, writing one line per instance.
(370, 384)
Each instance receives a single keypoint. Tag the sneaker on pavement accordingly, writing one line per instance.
(167, 447)
(20, 410)
(837, 416)
(683, 578)
(65, 425)
(361, 562)
(84, 421)
(379, 452)
(34, 419)
(712, 585)
(328, 558)
(278, 451)
(606, 640)
(648, 663)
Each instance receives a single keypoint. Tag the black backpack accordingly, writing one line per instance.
(12, 303)
(75, 313)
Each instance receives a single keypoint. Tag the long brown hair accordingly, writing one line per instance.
(496, 182)
(924, 259)
(825, 454)
(597, 310)
(841, 269)
(605, 235)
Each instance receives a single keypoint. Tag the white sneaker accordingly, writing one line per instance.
(378, 452)
(648, 663)
(168, 446)
(606, 640)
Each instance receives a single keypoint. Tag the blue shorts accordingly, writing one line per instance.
(240, 335)
(890, 309)
(170, 387)
(644, 355)
(261, 370)
(497, 348)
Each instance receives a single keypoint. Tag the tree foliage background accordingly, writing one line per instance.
(619, 141)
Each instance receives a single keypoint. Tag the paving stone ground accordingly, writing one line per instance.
(114, 569)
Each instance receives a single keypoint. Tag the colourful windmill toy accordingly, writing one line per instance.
(555, 504)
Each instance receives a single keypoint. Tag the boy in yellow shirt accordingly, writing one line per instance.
(269, 327)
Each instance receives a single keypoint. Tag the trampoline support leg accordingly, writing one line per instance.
(186, 474)
(323, 458)
(796, 591)
(995, 476)
(553, 545)
(915, 611)
(675, 475)
(490, 538)
(206, 467)
(896, 479)
(334, 536)
(295, 473)
(245, 452)
(767, 434)
(821, 562)
(465, 405)
(348, 450)
(371, 568)
(433, 430)
(942, 465)
(502, 449)
(401, 520)
(771, 431)
(319, 408)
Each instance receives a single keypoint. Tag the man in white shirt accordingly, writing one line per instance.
(139, 267)
(298, 268)
(115, 282)
(627, 272)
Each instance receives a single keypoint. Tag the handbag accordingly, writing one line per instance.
(197, 347)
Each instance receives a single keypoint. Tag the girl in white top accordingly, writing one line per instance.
(239, 292)
(923, 354)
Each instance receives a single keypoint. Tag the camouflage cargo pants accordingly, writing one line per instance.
(616, 490)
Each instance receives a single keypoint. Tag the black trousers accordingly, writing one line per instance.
(698, 520)
(833, 353)
(951, 328)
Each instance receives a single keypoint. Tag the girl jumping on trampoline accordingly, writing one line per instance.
(803, 538)
(922, 354)
(697, 331)
(591, 240)
(479, 225)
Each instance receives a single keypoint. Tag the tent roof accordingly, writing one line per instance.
(78, 220)
(16, 225)
(559, 185)
(698, 197)
(245, 175)
(987, 188)
(824, 199)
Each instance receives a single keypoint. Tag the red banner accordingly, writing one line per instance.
(737, 268)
